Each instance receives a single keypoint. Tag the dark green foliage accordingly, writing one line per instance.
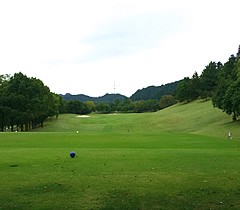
(225, 78)
(166, 101)
(126, 101)
(145, 93)
(129, 106)
(106, 98)
(209, 79)
(62, 104)
(203, 86)
(153, 92)
(186, 90)
(114, 105)
(103, 107)
(151, 105)
(197, 85)
(25, 102)
(231, 102)
(217, 81)
(168, 89)
(77, 107)
(228, 72)
(4, 118)
(227, 91)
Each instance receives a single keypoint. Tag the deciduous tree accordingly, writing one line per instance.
(227, 91)
(166, 101)
(209, 79)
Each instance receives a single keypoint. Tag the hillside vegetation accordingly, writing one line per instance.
(155, 92)
(81, 97)
(197, 117)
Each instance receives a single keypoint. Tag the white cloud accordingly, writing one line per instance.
(84, 46)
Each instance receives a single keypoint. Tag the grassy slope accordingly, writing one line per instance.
(198, 117)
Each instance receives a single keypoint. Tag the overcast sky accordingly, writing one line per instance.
(85, 46)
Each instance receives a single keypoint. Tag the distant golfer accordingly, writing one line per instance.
(229, 135)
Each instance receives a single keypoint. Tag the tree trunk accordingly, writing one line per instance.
(12, 125)
(2, 123)
(234, 116)
(33, 124)
(26, 126)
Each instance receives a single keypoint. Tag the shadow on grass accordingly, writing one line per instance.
(200, 198)
(124, 200)
(33, 197)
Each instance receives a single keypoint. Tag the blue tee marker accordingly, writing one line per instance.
(72, 154)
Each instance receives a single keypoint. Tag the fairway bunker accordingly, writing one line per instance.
(83, 116)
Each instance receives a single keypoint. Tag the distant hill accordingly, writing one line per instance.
(151, 92)
(106, 98)
(155, 92)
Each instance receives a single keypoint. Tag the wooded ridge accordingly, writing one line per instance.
(150, 92)
(81, 97)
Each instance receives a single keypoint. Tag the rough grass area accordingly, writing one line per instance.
(124, 161)
(198, 117)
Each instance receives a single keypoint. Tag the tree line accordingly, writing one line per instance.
(219, 82)
(125, 106)
(25, 103)
(84, 98)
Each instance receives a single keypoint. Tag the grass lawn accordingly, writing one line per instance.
(125, 161)
(124, 171)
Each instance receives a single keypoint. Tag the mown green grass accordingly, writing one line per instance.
(198, 117)
(124, 161)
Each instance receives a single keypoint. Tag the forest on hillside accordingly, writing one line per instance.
(81, 97)
(25, 102)
(219, 82)
(155, 92)
(151, 92)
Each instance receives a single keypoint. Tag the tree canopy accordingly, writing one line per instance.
(220, 82)
(227, 91)
(25, 102)
(154, 92)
